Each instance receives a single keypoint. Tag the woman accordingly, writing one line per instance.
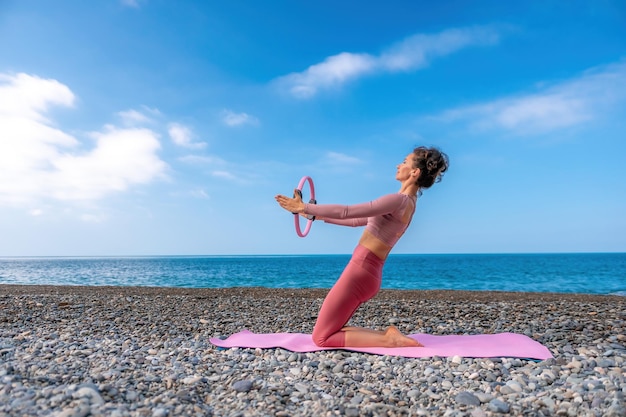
(386, 219)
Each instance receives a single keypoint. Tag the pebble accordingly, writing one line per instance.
(498, 406)
(160, 412)
(483, 397)
(151, 356)
(191, 380)
(352, 412)
(466, 398)
(90, 393)
(242, 386)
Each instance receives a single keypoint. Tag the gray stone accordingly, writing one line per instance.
(483, 397)
(498, 406)
(90, 393)
(616, 410)
(352, 412)
(80, 411)
(478, 412)
(303, 388)
(413, 393)
(242, 386)
(160, 412)
(466, 398)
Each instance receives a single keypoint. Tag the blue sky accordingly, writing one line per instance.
(144, 127)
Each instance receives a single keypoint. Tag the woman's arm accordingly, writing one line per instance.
(346, 222)
(341, 222)
(383, 205)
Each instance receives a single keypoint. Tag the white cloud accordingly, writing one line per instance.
(570, 103)
(29, 97)
(202, 159)
(412, 53)
(332, 161)
(418, 50)
(183, 136)
(233, 119)
(121, 158)
(133, 117)
(221, 169)
(38, 160)
(333, 72)
(336, 158)
(200, 193)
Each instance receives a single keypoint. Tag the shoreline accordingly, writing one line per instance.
(476, 295)
(145, 351)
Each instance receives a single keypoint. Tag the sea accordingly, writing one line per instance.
(587, 273)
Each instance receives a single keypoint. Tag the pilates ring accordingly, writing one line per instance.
(310, 218)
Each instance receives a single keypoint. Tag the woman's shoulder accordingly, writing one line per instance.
(394, 199)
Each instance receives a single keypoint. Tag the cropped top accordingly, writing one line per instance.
(384, 217)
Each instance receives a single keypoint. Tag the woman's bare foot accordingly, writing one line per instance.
(397, 339)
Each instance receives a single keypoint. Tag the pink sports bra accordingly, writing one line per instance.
(383, 216)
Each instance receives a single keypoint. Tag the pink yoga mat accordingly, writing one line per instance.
(510, 345)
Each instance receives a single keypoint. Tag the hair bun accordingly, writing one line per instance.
(432, 165)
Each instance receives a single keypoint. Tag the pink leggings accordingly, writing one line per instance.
(359, 282)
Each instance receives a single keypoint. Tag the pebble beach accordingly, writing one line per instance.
(139, 351)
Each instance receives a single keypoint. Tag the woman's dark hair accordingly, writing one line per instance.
(432, 164)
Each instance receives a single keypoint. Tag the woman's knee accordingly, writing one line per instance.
(322, 339)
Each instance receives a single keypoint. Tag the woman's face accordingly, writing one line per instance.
(405, 168)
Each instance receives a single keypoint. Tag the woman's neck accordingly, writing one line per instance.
(409, 188)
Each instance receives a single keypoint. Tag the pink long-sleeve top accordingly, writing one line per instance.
(384, 217)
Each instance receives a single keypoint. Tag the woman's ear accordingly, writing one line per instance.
(416, 173)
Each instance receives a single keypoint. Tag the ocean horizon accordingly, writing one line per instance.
(587, 273)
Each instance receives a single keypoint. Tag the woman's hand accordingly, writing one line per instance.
(294, 205)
